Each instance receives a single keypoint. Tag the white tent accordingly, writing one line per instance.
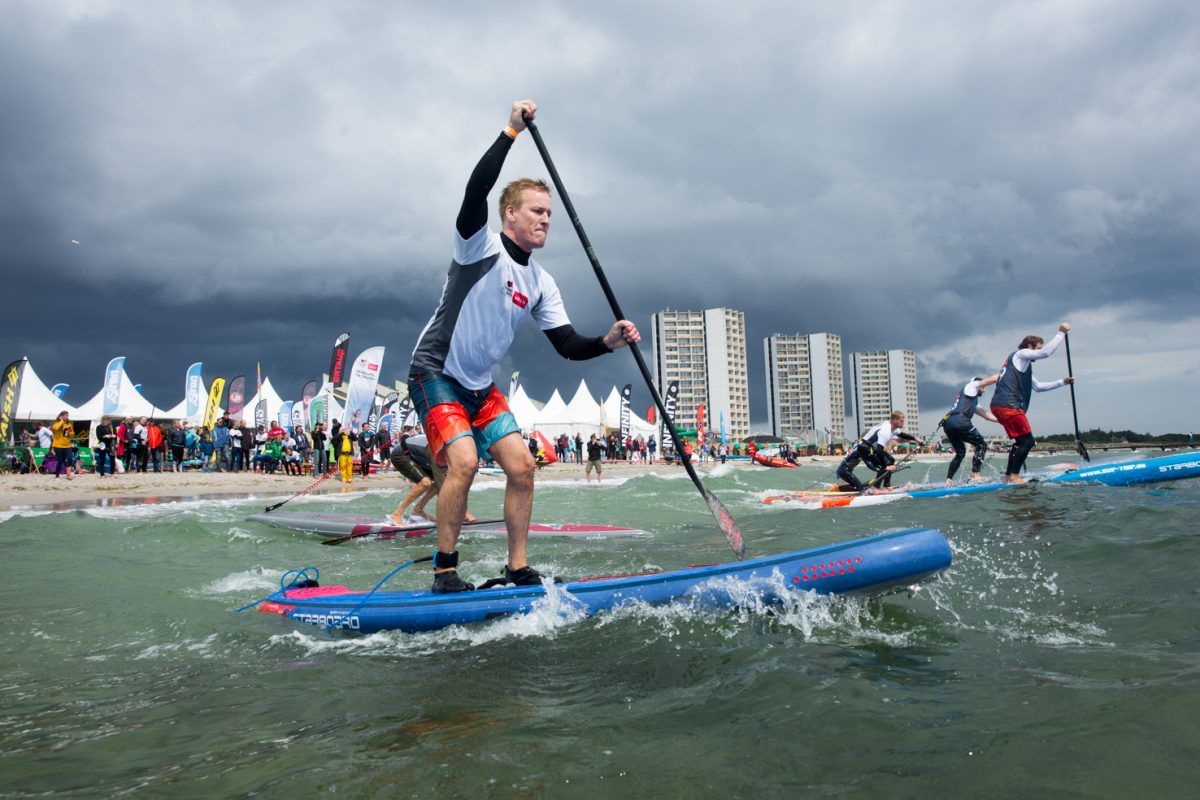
(526, 413)
(38, 402)
(130, 403)
(612, 417)
(274, 402)
(581, 415)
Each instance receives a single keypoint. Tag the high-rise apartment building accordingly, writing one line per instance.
(804, 384)
(706, 352)
(882, 382)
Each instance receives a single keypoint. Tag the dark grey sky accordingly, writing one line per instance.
(245, 180)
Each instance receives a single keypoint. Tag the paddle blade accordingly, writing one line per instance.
(1079, 448)
(733, 533)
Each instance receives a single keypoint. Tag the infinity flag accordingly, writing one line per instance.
(626, 391)
(10, 390)
(309, 391)
(113, 374)
(59, 390)
(512, 384)
(669, 404)
(260, 413)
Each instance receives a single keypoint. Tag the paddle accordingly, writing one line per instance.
(725, 520)
(902, 465)
(1079, 448)
(305, 490)
(401, 528)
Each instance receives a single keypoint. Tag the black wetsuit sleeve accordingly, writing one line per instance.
(473, 214)
(908, 437)
(573, 347)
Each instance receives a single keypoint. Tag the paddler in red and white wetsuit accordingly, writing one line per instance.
(1014, 389)
(492, 286)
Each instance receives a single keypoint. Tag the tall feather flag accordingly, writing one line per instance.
(10, 391)
(214, 402)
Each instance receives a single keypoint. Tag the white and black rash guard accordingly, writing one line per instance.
(881, 434)
(1016, 375)
(491, 287)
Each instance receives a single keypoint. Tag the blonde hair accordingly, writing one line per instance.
(897, 415)
(512, 194)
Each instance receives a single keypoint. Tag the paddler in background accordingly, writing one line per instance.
(961, 431)
(871, 449)
(493, 285)
(411, 458)
(1014, 388)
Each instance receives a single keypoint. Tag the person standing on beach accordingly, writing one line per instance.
(492, 286)
(105, 450)
(343, 445)
(593, 459)
(1015, 388)
(62, 431)
(961, 432)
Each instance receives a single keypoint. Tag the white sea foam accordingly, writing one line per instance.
(196, 646)
(251, 580)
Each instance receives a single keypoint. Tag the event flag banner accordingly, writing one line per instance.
(10, 390)
(59, 390)
(390, 399)
(700, 425)
(214, 402)
(388, 421)
(626, 391)
(309, 391)
(512, 384)
(337, 366)
(318, 411)
(237, 396)
(285, 414)
(192, 387)
(260, 413)
(724, 436)
(112, 385)
(298, 416)
(650, 412)
(360, 394)
(669, 405)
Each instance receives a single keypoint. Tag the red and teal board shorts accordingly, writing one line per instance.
(1013, 419)
(450, 411)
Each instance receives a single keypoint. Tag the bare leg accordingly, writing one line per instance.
(517, 462)
(430, 493)
(462, 463)
(423, 487)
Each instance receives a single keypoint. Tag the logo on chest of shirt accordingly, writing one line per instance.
(519, 300)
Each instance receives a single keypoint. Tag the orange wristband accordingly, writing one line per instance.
(512, 132)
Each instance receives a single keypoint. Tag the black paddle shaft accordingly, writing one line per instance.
(1079, 448)
(732, 533)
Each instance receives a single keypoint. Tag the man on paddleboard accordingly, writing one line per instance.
(493, 285)
(871, 450)
(961, 431)
(1014, 389)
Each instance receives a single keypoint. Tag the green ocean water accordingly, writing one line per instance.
(1058, 657)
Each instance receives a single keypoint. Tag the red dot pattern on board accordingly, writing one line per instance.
(829, 570)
